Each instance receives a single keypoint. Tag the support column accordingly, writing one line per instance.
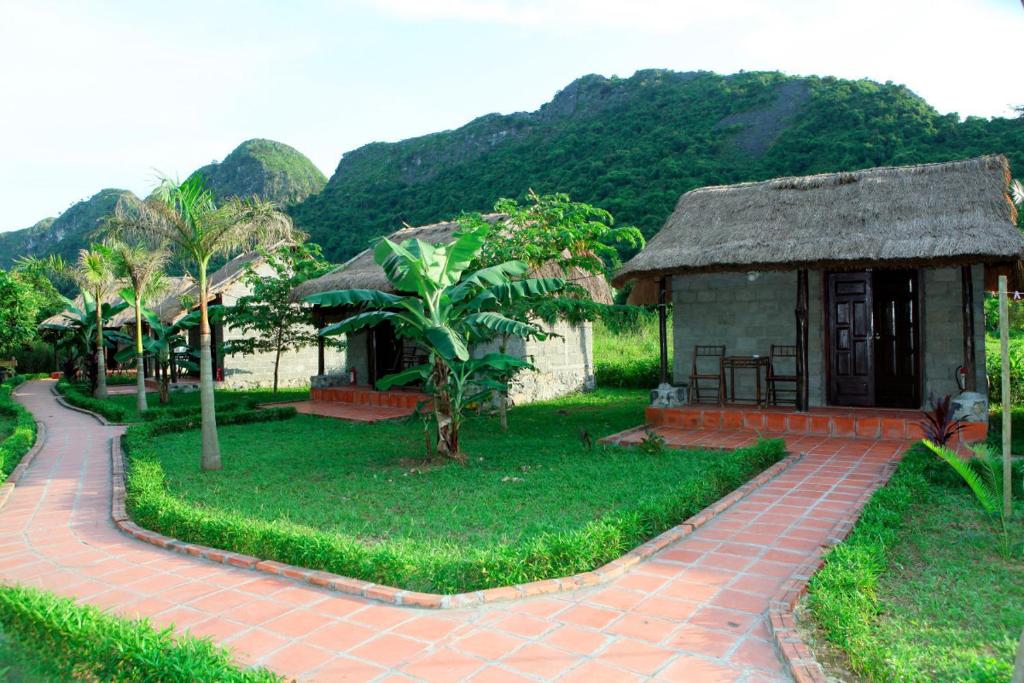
(967, 296)
(663, 327)
(801, 340)
(318, 316)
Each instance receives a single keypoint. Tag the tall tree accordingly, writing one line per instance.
(141, 267)
(271, 320)
(186, 217)
(17, 314)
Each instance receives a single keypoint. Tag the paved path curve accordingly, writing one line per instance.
(694, 612)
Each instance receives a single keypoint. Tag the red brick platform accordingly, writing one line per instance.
(361, 403)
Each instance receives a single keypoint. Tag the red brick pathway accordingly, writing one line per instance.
(695, 612)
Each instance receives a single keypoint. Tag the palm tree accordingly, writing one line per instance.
(187, 218)
(141, 266)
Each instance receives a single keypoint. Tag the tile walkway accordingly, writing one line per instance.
(695, 612)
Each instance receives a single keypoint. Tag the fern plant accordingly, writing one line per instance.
(984, 477)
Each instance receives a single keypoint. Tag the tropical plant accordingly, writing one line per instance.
(141, 266)
(160, 343)
(186, 218)
(77, 334)
(17, 315)
(445, 308)
(939, 424)
(268, 318)
(983, 474)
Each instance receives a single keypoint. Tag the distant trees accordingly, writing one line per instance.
(18, 310)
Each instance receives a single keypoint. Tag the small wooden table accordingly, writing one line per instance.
(755, 363)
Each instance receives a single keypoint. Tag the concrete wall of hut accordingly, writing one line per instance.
(564, 361)
(257, 369)
(748, 316)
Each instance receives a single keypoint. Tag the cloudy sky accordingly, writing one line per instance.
(98, 94)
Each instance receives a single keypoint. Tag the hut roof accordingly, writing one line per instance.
(362, 272)
(60, 320)
(943, 213)
(172, 308)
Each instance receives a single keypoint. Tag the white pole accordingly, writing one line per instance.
(1004, 349)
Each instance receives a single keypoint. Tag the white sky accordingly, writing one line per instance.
(98, 93)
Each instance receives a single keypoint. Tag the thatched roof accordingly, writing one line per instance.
(60, 320)
(177, 285)
(362, 272)
(928, 214)
(171, 308)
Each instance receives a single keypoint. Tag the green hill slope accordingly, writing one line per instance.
(63, 235)
(633, 145)
(266, 168)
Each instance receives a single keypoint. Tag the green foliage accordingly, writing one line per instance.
(267, 318)
(20, 435)
(538, 505)
(994, 369)
(18, 309)
(633, 145)
(270, 170)
(995, 429)
(79, 642)
(445, 307)
(917, 592)
(627, 354)
(74, 395)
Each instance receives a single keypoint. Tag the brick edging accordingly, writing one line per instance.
(7, 488)
(792, 649)
(406, 598)
(99, 418)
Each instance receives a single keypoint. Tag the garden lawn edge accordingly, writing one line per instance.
(408, 598)
(7, 488)
(792, 649)
(99, 418)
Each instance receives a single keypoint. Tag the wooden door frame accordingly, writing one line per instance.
(826, 347)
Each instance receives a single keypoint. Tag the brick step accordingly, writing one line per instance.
(365, 396)
(857, 424)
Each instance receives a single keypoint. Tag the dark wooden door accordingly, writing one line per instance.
(851, 339)
(897, 383)
(385, 351)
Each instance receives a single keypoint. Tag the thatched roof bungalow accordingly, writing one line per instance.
(870, 276)
(564, 362)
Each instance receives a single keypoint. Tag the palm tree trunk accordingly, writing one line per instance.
(101, 353)
(211, 445)
(277, 360)
(140, 371)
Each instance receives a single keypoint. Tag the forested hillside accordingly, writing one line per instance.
(633, 145)
(269, 169)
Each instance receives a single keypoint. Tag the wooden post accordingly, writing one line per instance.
(1004, 350)
(663, 327)
(801, 340)
(967, 296)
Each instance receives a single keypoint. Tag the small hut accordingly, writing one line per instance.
(564, 361)
(873, 278)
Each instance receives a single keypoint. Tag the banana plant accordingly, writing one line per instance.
(445, 308)
(160, 343)
(78, 331)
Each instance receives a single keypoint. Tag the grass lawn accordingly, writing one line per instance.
(21, 665)
(628, 358)
(539, 480)
(224, 397)
(939, 602)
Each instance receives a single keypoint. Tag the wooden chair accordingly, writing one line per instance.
(699, 374)
(774, 376)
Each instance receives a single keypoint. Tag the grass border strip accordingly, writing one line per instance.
(792, 649)
(99, 418)
(7, 488)
(407, 598)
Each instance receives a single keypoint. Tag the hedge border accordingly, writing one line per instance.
(8, 483)
(408, 598)
(795, 654)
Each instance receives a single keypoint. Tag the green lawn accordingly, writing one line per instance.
(224, 397)
(541, 500)
(934, 600)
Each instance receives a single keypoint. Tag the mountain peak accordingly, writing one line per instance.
(271, 170)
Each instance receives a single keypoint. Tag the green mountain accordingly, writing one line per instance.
(262, 167)
(633, 145)
(67, 233)
(266, 168)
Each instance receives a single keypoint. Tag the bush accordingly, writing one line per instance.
(83, 643)
(993, 368)
(23, 437)
(74, 395)
(440, 568)
(627, 356)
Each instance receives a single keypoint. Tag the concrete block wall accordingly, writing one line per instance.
(942, 330)
(747, 314)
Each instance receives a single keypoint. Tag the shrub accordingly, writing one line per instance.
(627, 356)
(23, 437)
(73, 394)
(433, 567)
(83, 643)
